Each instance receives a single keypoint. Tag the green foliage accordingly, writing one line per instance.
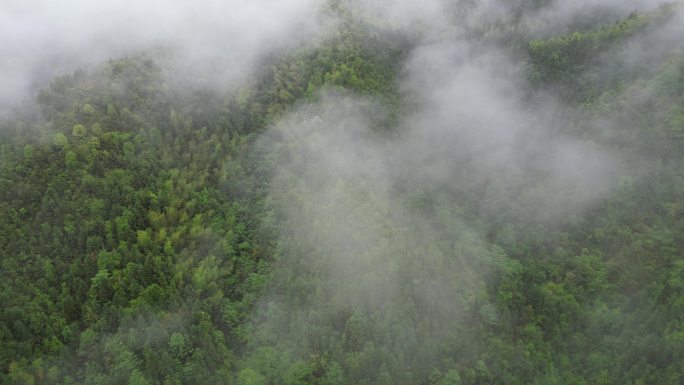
(138, 236)
(78, 130)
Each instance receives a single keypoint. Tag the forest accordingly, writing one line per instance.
(451, 192)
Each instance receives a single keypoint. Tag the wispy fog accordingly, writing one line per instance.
(211, 42)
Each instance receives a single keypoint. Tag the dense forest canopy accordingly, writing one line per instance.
(342, 192)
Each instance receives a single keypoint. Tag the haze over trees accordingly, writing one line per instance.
(342, 192)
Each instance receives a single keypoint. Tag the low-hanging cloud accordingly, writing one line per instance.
(476, 125)
(211, 42)
(382, 230)
(216, 43)
(351, 248)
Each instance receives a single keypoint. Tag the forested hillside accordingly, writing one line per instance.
(481, 195)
